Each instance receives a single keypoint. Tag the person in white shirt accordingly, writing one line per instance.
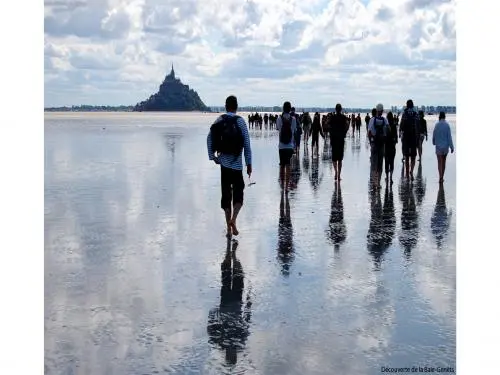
(441, 138)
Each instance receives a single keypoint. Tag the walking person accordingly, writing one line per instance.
(227, 139)
(409, 128)
(316, 130)
(441, 138)
(390, 147)
(286, 126)
(378, 129)
(422, 133)
(306, 127)
(339, 126)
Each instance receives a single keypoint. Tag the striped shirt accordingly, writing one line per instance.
(279, 124)
(232, 161)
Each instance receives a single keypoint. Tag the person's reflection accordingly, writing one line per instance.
(375, 237)
(388, 216)
(356, 145)
(409, 218)
(420, 185)
(295, 172)
(441, 217)
(305, 159)
(285, 236)
(228, 324)
(337, 227)
(314, 177)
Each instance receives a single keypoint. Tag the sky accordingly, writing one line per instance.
(310, 52)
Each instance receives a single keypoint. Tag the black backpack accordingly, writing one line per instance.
(227, 137)
(378, 124)
(286, 130)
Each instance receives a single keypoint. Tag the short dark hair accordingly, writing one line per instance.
(338, 107)
(231, 103)
(409, 103)
(293, 109)
(287, 107)
(442, 115)
(374, 111)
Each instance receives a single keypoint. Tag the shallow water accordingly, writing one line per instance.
(328, 281)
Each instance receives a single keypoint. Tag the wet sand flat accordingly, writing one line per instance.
(140, 279)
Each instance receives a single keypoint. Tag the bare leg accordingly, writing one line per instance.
(340, 169)
(407, 166)
(227, 212)
(412, 166)
(335, 167)
(443, 163)
(439, 167)
(236, 210)
(282, 176)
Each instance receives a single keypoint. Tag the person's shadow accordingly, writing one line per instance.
(408, 237)
(285, 236)
(337, 230)
(228, 324)
(441, 218)
(420, 185)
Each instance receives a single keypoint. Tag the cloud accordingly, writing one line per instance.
(250, 47)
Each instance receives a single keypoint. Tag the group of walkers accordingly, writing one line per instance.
(229, 139)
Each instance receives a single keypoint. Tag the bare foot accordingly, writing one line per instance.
(233, 227)
(228, 232)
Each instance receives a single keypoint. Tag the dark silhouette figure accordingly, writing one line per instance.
(285, 236)
(337, 230)
(228, 324)
(420, 186)
(408, 237)
(441, 218)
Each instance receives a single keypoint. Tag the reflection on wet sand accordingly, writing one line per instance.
(441, 217)
(337, 231)
(408, 236)
(420, 185)
(228, 324)
(382, 225)
(285, 235)
(315, 177)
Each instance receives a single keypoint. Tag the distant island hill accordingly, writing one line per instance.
(174, 96)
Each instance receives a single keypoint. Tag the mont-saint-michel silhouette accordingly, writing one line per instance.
(172, 95)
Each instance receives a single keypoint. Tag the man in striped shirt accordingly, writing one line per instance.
(232, 184)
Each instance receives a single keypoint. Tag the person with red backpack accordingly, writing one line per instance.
(286, 125)
(226, 141)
